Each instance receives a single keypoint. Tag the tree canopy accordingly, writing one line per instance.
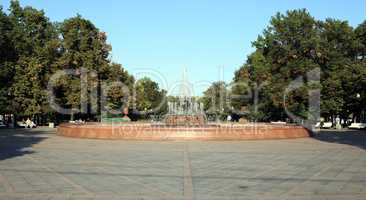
(149, 98)
(293, 45)
(33, 49)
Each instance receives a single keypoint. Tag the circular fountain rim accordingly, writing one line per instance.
(148, 131)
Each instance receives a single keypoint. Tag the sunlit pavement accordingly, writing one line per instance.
(37, 164)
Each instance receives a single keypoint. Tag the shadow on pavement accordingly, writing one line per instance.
(350, 137)
(14, 142)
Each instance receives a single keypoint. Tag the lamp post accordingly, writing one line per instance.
(362, 115)
(358, 96)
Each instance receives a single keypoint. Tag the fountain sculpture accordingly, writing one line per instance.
(186, 111)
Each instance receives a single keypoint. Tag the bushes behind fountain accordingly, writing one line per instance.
(115, 118)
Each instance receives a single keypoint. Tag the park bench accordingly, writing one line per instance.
(357, 125)
(327, 125)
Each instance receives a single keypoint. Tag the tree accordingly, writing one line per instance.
(118, 95)
(149, 97)
(337, 41)
(249, 95)
(36, 42)
(360, 36)
(287, 49)
(354, 79)
(215, 99)
(84, 49)
(293, 45)
(354, 84)
(7, 58)
(33, 49)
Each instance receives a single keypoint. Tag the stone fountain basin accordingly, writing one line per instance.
(161, 132)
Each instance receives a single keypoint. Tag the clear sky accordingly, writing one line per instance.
(205, 36)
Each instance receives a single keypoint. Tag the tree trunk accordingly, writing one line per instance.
(14, 120)
(99, 103)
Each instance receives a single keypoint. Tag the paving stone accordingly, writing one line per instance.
(37, 164)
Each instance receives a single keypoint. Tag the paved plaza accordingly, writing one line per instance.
(37, 164)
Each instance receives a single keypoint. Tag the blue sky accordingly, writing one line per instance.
(207, 37)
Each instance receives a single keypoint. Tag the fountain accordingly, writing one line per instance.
(185, 120)
(186, 111)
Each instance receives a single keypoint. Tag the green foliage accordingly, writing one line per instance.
(360, 34)
(7, 59)
(294, 44)
(32, 49)
(34, 39)
(215, 99)
(149, 97)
